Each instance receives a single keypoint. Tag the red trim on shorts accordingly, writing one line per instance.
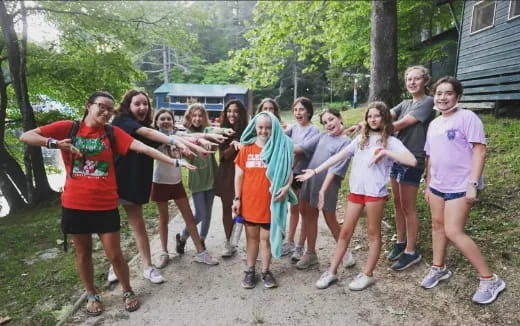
(363, 199)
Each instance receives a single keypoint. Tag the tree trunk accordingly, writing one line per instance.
(16, 56)
(384, 84)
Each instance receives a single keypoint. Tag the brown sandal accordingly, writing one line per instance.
(94, 307)
(130, 301)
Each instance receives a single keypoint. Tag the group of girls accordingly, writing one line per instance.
(264, 166)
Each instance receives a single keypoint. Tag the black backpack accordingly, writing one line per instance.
(109, 131)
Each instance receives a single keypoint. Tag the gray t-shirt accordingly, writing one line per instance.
(299, 136)
(414, 136)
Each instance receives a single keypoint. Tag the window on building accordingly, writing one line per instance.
(214, 100)
(483, 15)
(514, 9)
(181, 99)
(166, 99)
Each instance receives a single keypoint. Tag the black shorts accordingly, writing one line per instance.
(76, 221)
(265, 226)
(296, 185)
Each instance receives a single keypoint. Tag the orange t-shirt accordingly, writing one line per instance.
(256, 198)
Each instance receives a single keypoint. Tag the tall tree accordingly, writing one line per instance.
(384, 84)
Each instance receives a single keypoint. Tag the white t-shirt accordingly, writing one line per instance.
(371, 180)
(165, 173)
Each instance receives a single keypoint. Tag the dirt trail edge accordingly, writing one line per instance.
(196, 294)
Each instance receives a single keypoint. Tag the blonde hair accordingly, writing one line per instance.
(425, 75)
(188, 115)
(387, 127)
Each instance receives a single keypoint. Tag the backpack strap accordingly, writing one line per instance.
(72, 136)
(109, 131)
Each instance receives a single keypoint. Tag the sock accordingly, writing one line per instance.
(409, 252)
(439, 266)
(400, 242)
(487, 278)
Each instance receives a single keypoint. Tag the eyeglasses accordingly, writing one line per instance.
(104, 108)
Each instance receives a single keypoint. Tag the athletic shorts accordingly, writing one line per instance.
(162, 192)
(447, 196)
(363, 199)
(265, 226)
(407, 174)
(76, 221)
(296, 185)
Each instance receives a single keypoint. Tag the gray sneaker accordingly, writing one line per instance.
(488, 290)
(205, 258)
(269, 280)
(435, 275)
(287, 248)
(397, 251)
(249, 280)
(309, 259)
(297, 254)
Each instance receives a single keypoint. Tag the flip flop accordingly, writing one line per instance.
(130, 301)
(94, 302)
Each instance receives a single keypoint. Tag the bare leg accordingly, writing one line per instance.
(83, 245)
(112, 244)
(310, 224)
(164, 219)
(189, 220)
(252, 243)
(265, 249)
(135, 218)
(456, 212)
(352, 214)
(439, 240)
(408, 201)
(374, 216)
(332, 223)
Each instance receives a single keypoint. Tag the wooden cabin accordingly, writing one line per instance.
(178, 97)
(488, 60)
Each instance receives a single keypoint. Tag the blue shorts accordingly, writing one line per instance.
(447, 196)
(407, 174)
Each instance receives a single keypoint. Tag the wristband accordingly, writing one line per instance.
(51, 143)
(170, 140)
(236, 198)
(178, 162)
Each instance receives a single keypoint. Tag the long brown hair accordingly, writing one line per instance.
(387, 127)
(124, 106)
(275, 105)
(188, 115)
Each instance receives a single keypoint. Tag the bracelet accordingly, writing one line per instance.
(177, 162)
(314, 170)
(236, 198)
(171, 140)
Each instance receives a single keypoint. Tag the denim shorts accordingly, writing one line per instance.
(447, 196)
(407, 174)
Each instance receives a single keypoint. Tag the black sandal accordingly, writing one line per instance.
(130, 301)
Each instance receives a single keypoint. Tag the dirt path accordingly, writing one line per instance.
(196, 294)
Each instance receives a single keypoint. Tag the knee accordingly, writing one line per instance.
(452, 234)
(437, 225)
(83, 255)
(115, 257)
(374, 236)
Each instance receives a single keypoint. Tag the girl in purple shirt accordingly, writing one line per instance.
(456, 148)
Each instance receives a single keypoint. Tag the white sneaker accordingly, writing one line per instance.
(361, 282)
(205, 258)
(112, 277)
(153, 275)
(287, 248)
(229, 250)
(308, 260)
(297, 254)
(325, 280)
(348, 259)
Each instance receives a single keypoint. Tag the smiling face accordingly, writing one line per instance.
(445, 97)
(263, 129)
(232, 114)
(300, 114)
(100, 111)
(139, 107)
(415, 83)
(165, 122)
(374, 119)
(197, 118)
(332, 124)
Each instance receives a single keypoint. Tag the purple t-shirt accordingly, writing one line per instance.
(449, 146)
(371, 180)
(299, 136)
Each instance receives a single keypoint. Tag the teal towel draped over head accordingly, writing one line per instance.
(278, 155)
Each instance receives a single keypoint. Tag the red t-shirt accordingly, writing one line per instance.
(255, 197)
(93, 186)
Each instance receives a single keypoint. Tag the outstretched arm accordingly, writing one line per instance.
(139, 147)
(309, 173)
